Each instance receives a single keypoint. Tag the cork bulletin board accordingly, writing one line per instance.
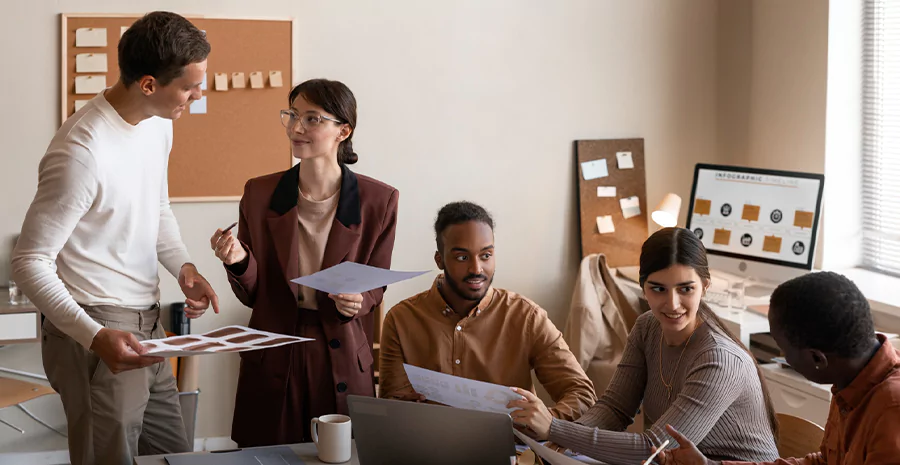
(239, 136)
(612, 196)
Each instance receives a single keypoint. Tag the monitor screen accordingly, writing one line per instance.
(766, 216)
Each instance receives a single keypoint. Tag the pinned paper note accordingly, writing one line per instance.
(631, 206)
(594, 169)
(606, 191)
(79, 104)
(624, 160)
(90, 37)
(92, 84)
(256, 80)
(605, 224)
(238, 81)
(221, 82)
(198, 107)
(122, 32)
(275, 79)
(203, 83)
(90, 63)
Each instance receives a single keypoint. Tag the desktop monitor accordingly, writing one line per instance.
(756, 224)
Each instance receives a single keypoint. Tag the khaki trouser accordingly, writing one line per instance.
(111, 418)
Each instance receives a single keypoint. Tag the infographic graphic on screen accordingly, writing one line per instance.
(757, 215)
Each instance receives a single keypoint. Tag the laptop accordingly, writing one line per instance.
(393, 432)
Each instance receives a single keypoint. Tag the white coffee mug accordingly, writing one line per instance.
(332, 434)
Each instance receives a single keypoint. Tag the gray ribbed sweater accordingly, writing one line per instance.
(717, 401)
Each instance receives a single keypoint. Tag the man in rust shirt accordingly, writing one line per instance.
(465, 327)
(822, 323)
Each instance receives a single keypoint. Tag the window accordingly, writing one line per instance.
(881, 136)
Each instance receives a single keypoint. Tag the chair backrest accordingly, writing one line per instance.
(797, 436)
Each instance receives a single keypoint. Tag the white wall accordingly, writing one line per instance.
(476, 100)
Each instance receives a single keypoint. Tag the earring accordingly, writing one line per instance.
(817, 367)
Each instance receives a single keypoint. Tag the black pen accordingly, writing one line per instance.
(229, 228)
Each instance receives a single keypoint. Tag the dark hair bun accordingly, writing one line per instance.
(349, 158)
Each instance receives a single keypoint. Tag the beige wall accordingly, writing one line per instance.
(476, 100)
(773, 58)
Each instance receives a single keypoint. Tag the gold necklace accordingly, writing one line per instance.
(661, 377)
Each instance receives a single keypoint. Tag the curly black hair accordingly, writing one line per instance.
(824, 311)
(457, 213)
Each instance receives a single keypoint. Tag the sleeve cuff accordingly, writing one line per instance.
(175, 261)
(85, 335)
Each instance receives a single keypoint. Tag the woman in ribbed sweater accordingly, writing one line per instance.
(681, 365)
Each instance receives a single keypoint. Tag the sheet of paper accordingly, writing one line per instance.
(122, 31)
(275, 79)
(90, 37)
(238, 81)
(624, 160)
(280, 455)
(90, 63)
(198, 107)
(606, 191)
(256, 80)
(203, 83)
(92, 84)
(545, 453)
(460, 392)
(228, 339)
(353, 278)
(594, 169)
(221, 82)
(605, 224)
(80, 103)
(631, 206)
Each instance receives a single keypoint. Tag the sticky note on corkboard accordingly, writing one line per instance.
(803, 219)
(750, 213)
(772, 244)
(722, 237)
(702, 206)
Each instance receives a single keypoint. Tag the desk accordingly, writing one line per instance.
(739, 321)
(306, 451)
(18, 323)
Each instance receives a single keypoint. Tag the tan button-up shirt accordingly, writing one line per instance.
(500, 341)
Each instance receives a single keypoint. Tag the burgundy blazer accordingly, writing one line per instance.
(362, 232)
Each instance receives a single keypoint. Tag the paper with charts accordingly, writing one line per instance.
(228, 339)
(460, 392)
(353, 278)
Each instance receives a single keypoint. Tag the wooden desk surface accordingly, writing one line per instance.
(307, 452)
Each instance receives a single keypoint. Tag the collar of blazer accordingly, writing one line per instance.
(348, 210)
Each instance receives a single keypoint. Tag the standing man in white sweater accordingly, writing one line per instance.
(87, 256)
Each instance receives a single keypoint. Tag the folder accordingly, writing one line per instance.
(772, 244)
(750, 213)
(722, 237)
(803, 219)
(702, 206)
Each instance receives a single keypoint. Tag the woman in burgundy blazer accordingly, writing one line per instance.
(281, 389)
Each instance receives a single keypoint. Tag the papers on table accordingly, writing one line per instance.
(280, 455)
(547, 454)
(353, 278)
(460, 392)
(228, 339)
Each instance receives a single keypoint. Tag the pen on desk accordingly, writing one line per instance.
(658, 450)
(229, 228)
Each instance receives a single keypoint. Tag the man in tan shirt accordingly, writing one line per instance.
(464, 327)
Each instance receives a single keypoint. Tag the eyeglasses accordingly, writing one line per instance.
(308, 121)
